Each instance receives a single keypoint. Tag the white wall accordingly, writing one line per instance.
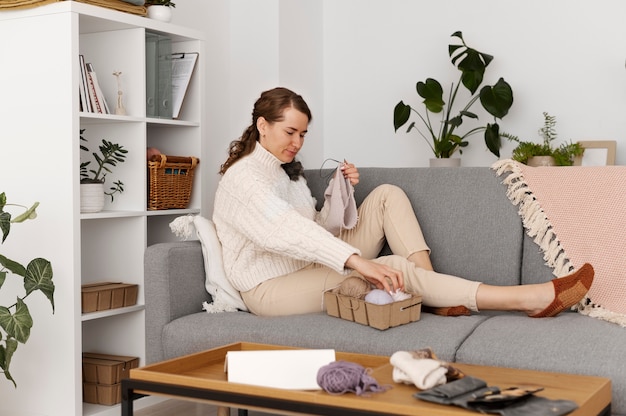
(353, 60)
(564, 57)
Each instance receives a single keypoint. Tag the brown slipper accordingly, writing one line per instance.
(568, 291)
(449, 311)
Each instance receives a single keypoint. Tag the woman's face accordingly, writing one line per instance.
(284, 138)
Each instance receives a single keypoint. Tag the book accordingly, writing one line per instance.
(83, 85)
(98, 101)
(183, 65)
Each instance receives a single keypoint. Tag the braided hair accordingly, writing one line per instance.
(270, 105)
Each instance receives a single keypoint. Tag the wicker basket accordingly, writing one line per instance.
(170, 179)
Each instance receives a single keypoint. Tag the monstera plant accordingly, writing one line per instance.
(15, 319)
(442, 135)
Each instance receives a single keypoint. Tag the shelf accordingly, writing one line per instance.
(115, 410)
(97, 118)
(172, 122)
(93, 247)
(129, 214)
(111, 312)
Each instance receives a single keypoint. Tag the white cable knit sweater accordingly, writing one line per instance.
(266, 223)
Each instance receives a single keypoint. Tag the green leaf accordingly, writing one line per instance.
(39, 277)
(401, 114)
(5, 357)
(492, 138)
(12, 266)
(472, 68)
(5, 224)
(432, 93)
(3, 276)
(19, 324)
(29, 214)
(498, 99)
(456, 121)
(3, 201)
(469, 114)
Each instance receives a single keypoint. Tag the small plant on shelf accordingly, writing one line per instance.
(16, 320)
(110, 155)
(167, 3)
(563, 155)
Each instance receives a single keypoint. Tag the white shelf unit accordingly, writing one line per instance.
(109, 245)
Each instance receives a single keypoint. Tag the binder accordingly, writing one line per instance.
(158, 76)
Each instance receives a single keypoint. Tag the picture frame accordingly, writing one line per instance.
(597, 153)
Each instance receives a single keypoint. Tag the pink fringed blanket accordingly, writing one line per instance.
(577, 215)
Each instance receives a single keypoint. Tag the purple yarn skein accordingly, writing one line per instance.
(341, 377)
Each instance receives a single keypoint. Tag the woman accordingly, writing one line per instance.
(279, 256)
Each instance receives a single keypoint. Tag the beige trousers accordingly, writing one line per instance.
(385, 215)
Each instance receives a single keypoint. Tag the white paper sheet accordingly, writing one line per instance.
(283, 369)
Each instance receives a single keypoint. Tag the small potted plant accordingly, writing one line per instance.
(92, 180)
(160, 9)
(544, 154)
(15, 319)
(442, 136)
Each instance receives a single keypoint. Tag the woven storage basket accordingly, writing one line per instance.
(170, 179)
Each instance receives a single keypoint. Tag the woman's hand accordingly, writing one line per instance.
(350, 172)
(380, 275)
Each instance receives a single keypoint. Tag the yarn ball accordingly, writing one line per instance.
(354, 286)
(341, 377)
(378, 297)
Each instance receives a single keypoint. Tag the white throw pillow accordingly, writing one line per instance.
(225, 297)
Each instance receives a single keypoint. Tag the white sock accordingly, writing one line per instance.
(424, 373)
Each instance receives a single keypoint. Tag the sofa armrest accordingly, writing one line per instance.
(174, 286)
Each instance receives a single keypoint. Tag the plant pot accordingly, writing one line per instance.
(445, 162)
(541, 161)
(158, 12)
(91, 197)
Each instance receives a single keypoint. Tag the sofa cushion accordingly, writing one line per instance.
(568, 343)
(201, 331)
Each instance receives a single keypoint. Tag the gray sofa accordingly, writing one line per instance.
(473, 230)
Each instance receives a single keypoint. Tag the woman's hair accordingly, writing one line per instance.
(271, 106)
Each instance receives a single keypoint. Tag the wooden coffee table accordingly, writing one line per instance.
(201, 376)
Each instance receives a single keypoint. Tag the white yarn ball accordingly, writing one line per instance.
(378, 297)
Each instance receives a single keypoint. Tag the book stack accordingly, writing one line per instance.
(91, 97)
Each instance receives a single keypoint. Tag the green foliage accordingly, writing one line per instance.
(442, 137)
(16, 320)
(160, 3)
(110, 155)
(563, 154)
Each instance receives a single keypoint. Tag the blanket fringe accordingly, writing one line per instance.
(585, 307)
(533, 217)
(218, 306)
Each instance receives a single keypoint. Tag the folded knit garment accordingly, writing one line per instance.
(339, 195)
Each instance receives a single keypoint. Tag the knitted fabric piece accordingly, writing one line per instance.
(342, 207)
(577, 215)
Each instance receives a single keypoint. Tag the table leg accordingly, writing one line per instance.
(127, 399)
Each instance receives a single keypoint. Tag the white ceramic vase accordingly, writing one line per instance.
(158, 12)
(91, 197)
(445, 162)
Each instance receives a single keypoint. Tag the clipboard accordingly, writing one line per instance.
(183, 65)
